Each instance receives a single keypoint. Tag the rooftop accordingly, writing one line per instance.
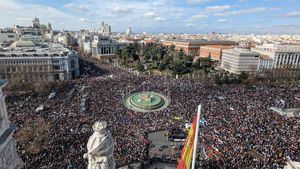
(27, 48)
(241, 51)
(279, 47)
(205, 42)
(22, 43)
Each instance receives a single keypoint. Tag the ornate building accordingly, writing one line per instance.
(129, 31)
(105, 47)
(33, 33)
(24, 61)
(9, 158)
(278, 56)
(105, 29)
(7, 36)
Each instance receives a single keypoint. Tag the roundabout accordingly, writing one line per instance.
(146, 101)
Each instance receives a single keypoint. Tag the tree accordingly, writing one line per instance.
(243, 77)
(181, 53)
(178, 68)
(172, 48)
(140, 67)
(226, 79)
(218, 80)
(188, 61)
(196, 65)
(119, 53)
(206, 62)
(151, 52)
(130, 53)
(162, 67)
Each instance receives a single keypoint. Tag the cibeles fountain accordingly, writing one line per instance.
(146, 101)
(100, 148)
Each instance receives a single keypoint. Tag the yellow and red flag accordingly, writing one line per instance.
(187, 152)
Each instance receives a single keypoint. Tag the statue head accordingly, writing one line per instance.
(99, 126)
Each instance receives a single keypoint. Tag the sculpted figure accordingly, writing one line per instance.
(100, 148)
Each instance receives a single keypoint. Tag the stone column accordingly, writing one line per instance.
(9, 158)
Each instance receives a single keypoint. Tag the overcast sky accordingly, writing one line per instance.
(158, 16)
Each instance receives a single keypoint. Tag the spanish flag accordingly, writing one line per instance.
(187, 152)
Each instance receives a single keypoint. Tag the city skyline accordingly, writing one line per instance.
(158, 16)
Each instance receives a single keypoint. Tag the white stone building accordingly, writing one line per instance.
(85, 42)
(105, 29)
(239, 60)
(105, 47)
(129, 31)
(24, 61)
(87, 47)
(9, 159)
(34, 33)
(7, 36)
(280, 56)
(67, 39)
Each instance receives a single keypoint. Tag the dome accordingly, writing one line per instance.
(22, 43)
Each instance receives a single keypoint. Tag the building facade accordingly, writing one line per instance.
(9, 159)
(213, 51)
(192, 47)
(279, 56)
(7, 36)
(239, 60)
(34, 33)
(105, 29)
(85, 43)
(129, 31)
(27, 62)
(105, 47)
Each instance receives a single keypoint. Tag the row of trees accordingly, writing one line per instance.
(240, 79)
(162, 58)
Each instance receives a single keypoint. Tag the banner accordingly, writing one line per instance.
(187, 152)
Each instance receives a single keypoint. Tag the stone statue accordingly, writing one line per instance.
(100, 148)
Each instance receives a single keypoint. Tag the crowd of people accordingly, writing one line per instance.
(240, 130)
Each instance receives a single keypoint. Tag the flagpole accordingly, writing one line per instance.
(196, 137)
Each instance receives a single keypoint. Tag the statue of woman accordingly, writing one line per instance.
(100, 148)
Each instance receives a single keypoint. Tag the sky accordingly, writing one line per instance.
(158, 16)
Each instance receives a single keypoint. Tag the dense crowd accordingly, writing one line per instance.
(241, 131)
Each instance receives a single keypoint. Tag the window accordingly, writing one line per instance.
(56, 77)
(55, 61)
(56, 67)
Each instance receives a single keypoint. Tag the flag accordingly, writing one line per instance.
(187, 152)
